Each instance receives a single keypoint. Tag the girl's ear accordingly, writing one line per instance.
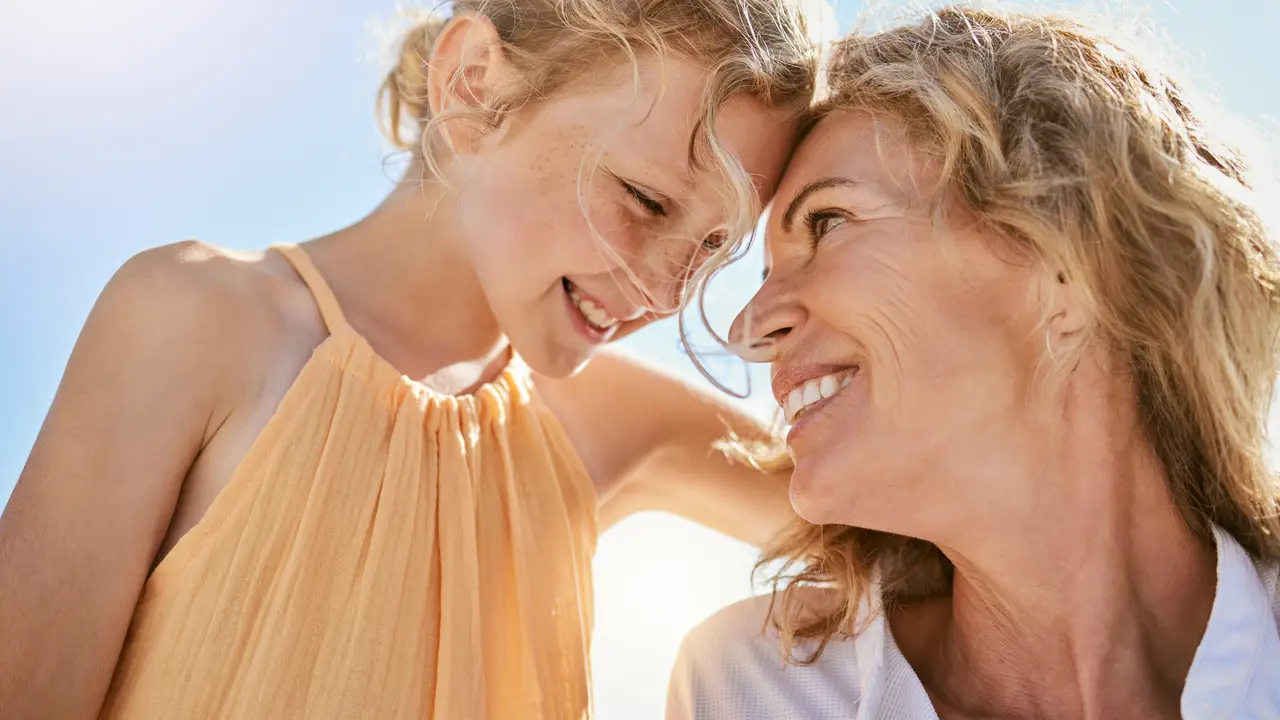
(466, 68)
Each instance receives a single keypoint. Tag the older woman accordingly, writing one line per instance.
(1023, 316)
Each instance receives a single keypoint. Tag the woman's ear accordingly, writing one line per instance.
(465, 71)
(1068, 315)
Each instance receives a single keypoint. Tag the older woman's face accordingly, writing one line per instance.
(928, 340)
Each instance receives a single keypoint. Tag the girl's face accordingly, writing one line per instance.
(584, 215)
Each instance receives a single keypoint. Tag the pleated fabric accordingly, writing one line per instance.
(383, 551)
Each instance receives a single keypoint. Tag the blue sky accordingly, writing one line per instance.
(139, 122)
(133, 123)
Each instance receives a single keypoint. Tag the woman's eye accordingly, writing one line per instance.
(653, 207)
(821, 222)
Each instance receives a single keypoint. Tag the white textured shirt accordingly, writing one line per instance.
(730, 668)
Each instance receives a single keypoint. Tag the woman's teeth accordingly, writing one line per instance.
(595, 315)
(814, 390)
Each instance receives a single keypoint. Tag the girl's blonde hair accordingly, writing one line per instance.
(767, 49)
(1096, 163)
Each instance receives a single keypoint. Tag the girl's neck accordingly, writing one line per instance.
(406, 283)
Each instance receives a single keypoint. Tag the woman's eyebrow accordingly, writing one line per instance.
(788, 217)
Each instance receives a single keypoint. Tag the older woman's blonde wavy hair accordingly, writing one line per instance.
(768, 49)
(1096, 163)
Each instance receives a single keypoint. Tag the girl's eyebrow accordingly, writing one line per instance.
(672, 174)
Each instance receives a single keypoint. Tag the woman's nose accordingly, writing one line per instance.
(765, 326)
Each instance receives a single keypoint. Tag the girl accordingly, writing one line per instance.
(359, 479)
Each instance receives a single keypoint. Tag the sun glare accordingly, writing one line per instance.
(63, 34)
(656, 578)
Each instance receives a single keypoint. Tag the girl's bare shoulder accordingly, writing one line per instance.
(222, 288)
(225, 316)
(216, 300)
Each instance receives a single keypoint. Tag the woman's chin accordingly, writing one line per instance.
(826, 490)
(809, 498)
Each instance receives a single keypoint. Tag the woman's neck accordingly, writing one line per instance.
(407, 284)
(1089, 604)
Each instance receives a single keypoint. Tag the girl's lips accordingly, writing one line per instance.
(592, 334)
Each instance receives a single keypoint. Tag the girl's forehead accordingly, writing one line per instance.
(660, 113)
(652, 113)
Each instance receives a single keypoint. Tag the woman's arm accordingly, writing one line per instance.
(94, 501)
(650, 440)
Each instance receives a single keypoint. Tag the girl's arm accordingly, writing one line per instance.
(95, 499)
(649, 440)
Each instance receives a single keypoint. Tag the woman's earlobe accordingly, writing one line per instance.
(1063, 306)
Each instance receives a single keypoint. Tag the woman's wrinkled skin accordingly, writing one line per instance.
(961, 425)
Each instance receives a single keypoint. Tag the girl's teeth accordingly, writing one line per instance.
(594, 314)
(813, 391)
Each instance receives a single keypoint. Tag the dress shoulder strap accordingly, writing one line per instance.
(330, 311)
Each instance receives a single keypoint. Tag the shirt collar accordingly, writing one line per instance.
(1235, 673)
(1236, 670)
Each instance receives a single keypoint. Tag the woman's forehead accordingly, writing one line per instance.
(871, 151)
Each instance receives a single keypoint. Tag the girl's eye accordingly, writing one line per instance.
(653, 207)
(821, 222)
(714, 241)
